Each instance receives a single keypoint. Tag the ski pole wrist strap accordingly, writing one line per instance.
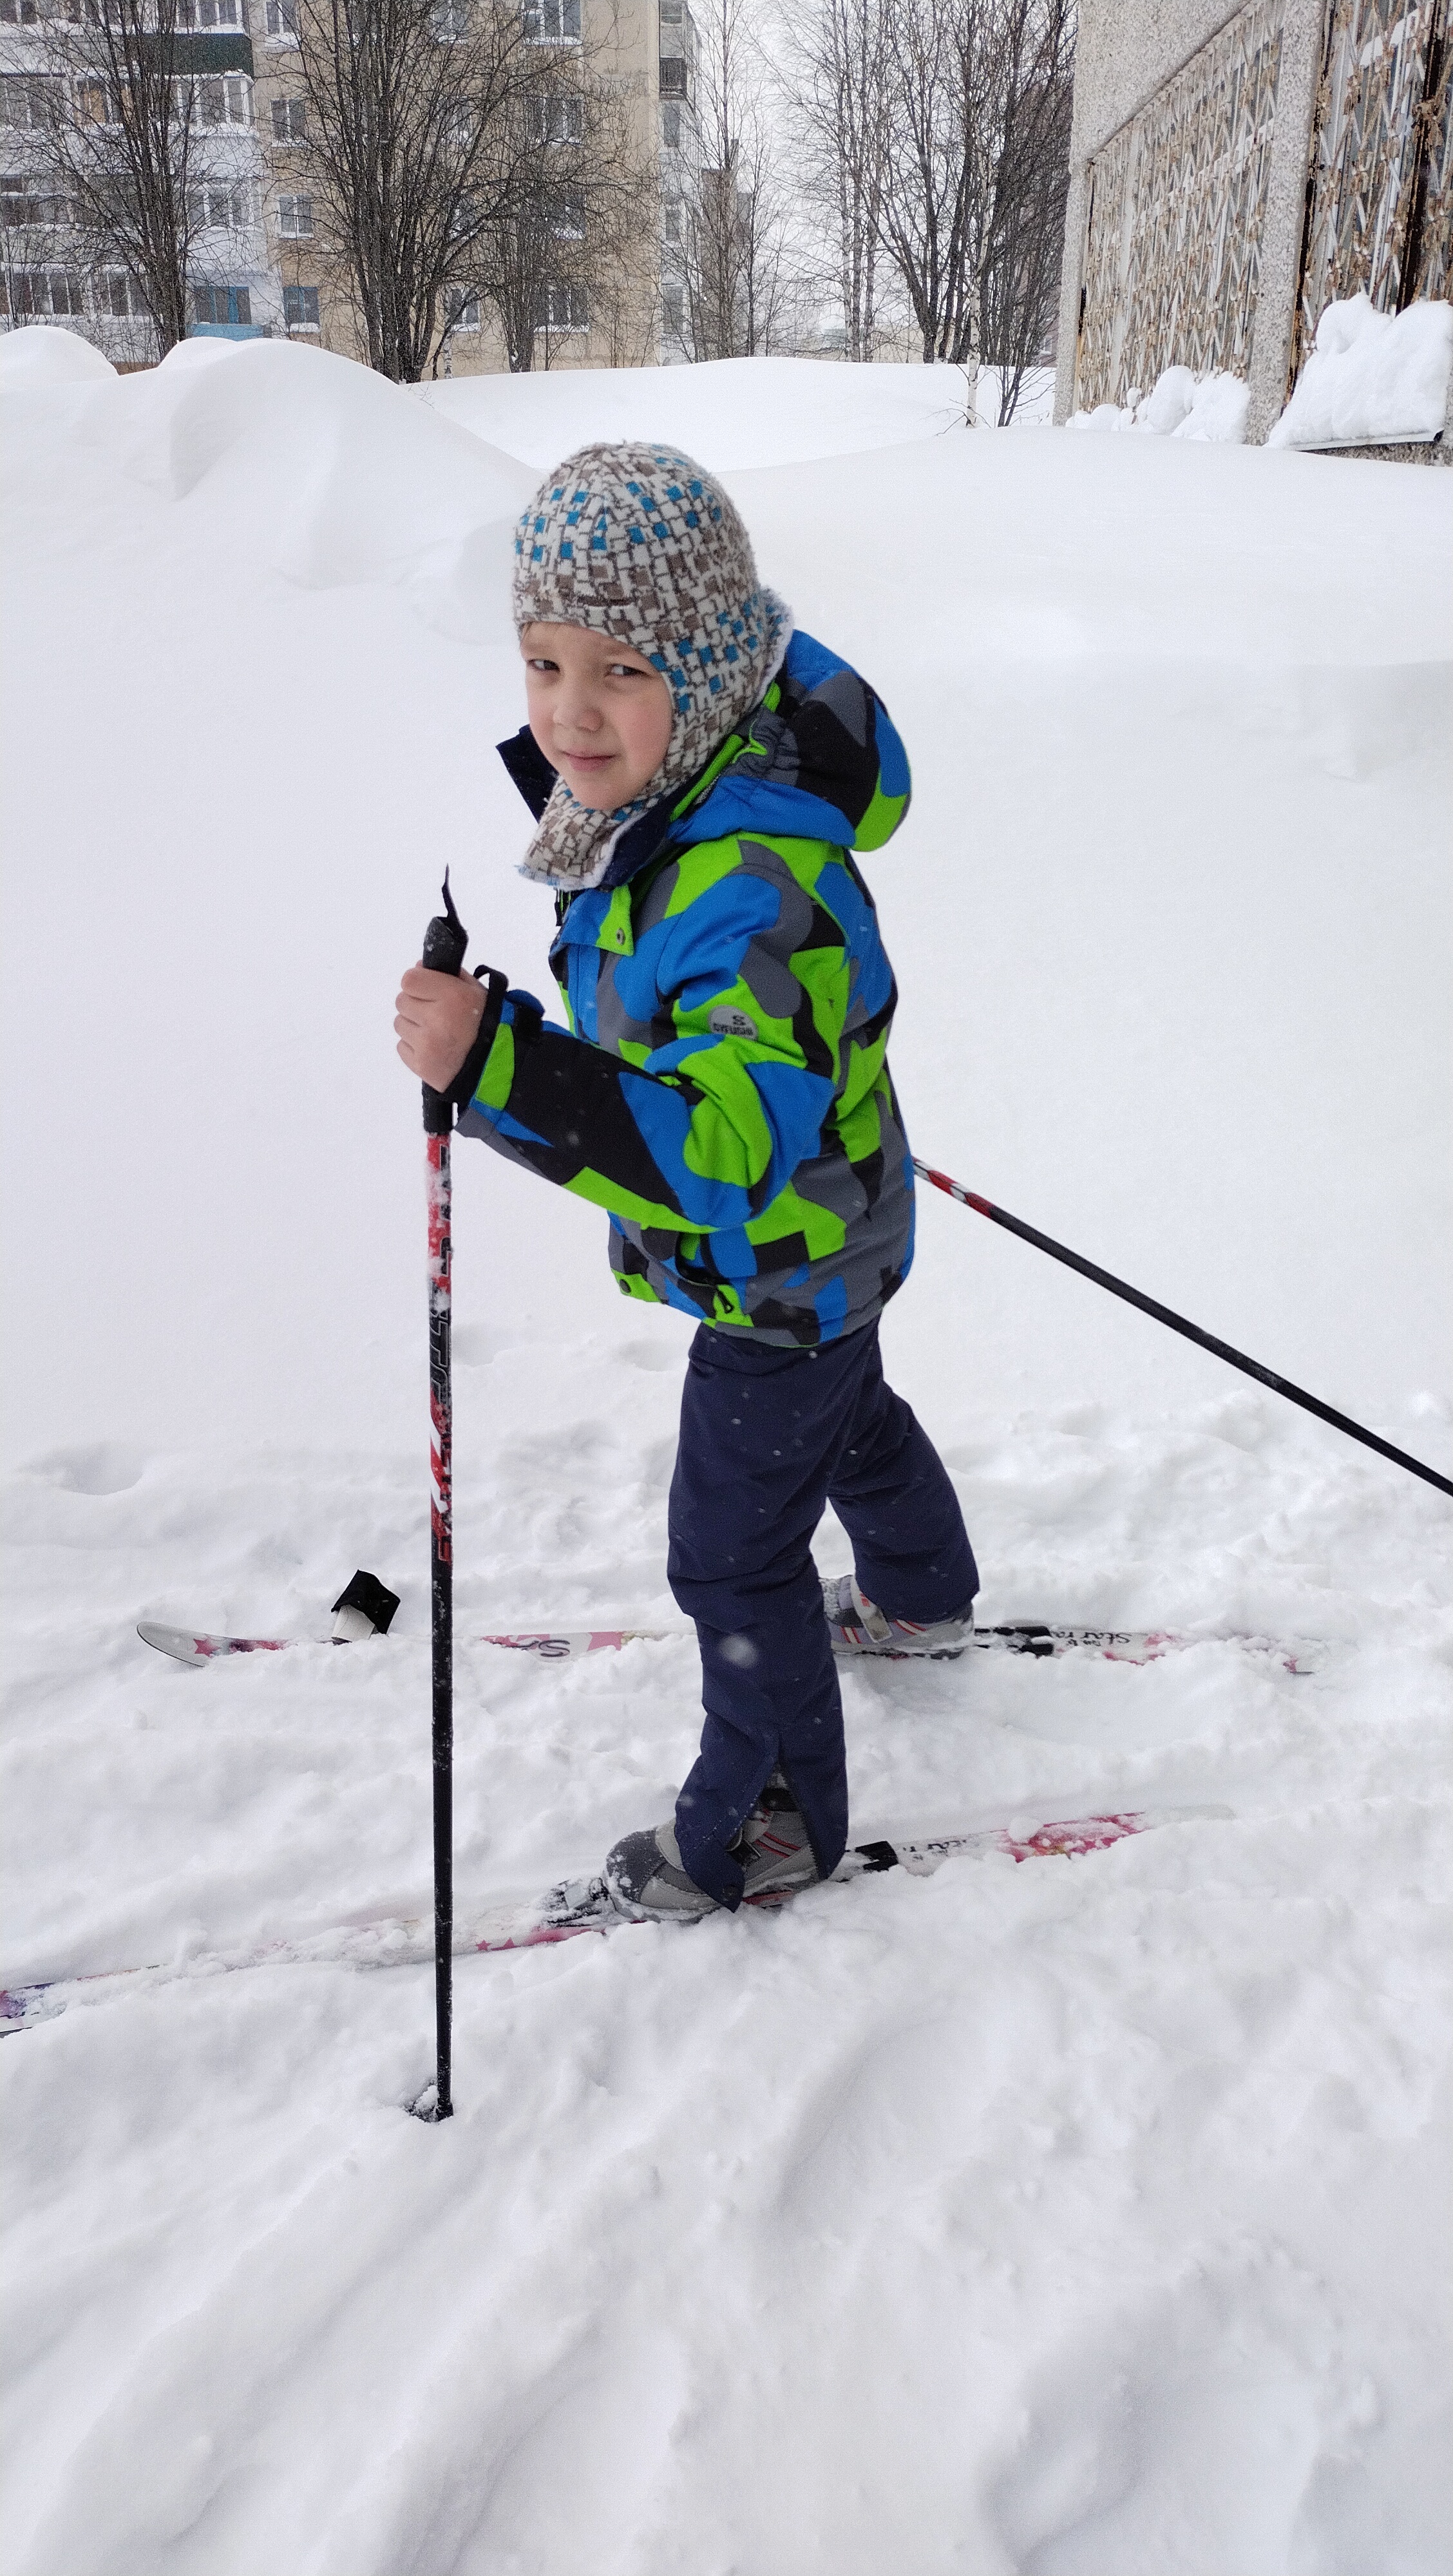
(462, 1089)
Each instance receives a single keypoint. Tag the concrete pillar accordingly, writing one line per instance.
(1069, 293)
(1286, 206)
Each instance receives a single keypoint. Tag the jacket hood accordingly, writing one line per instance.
(818, 760)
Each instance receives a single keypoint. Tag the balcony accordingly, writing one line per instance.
(186, 53)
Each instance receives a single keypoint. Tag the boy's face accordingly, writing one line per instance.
(598, 711)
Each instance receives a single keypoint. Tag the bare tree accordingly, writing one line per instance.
(126, 126)
(733, 272)
(837, 95)
(412, 149)
(1022, 283)
(942, 128)
(572, 192)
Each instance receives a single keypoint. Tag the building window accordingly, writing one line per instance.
(120, 297)
(552, 22)
(672, 13)
(555, 117)
(295, 218)
(223, 210)
(569, 220)
(25, 100)
(300, 308)
(671, 219)
(195, 14)
(673, 76)
(282, 20)
(290, 120)
(32, 205)
(562, 308)
(221, 304)
(671, 125)
(449, 21)
(673, 308)
(94, 103)
(224, 99)
(464, 316)
(29, 292)
(18, 13)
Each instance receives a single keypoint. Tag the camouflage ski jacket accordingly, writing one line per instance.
(722, 1089)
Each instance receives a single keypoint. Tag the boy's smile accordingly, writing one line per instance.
(598, 711)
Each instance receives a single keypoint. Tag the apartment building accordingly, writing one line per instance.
(50, 270)
(259, 264)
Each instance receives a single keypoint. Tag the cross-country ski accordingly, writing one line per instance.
(580, 1905)
(1018, 1637)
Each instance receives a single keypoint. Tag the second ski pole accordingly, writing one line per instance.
(1179, 1324)
(445, 942)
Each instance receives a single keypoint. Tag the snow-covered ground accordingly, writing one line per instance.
(1074, 2220)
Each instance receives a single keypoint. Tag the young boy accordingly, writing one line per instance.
(700, 775)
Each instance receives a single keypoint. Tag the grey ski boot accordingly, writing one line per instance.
(646, 1881)
(858, 1627)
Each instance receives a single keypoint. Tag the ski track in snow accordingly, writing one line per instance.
(1073, 2220)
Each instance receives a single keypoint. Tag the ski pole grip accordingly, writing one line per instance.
(445, 942)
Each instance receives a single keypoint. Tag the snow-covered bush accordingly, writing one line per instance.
(1372, 379)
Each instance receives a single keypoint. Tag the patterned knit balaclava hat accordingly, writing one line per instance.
(640, 543)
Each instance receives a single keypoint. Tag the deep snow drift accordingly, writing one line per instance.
(1078, 2220)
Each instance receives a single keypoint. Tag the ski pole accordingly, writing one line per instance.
(445, 942)
(1178, 1324)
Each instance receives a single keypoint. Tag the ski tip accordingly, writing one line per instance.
(179, 1643)
(21, 2007)
(189, 1646)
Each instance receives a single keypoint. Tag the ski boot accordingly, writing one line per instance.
(646, 1881)
(858, 1627)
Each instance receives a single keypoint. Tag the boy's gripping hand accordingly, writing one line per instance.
(438, 1021)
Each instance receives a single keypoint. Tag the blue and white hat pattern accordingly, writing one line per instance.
(641, 543)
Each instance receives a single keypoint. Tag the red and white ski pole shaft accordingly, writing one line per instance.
(1178, 1324)
(445, 942)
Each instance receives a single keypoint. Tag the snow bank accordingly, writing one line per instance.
(336, 478)
(734, 413)
(302, 461)
(48, 354)
(1080, 2218)
(1373, 379)
(1209, 408)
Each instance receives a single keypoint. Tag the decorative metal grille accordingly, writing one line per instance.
(1177, 206)
(1432, 259)
(1379, 195)
(1102, 269)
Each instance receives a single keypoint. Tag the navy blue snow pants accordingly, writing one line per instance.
(768, 1437)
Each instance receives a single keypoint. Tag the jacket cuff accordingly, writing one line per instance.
(467, 1080)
